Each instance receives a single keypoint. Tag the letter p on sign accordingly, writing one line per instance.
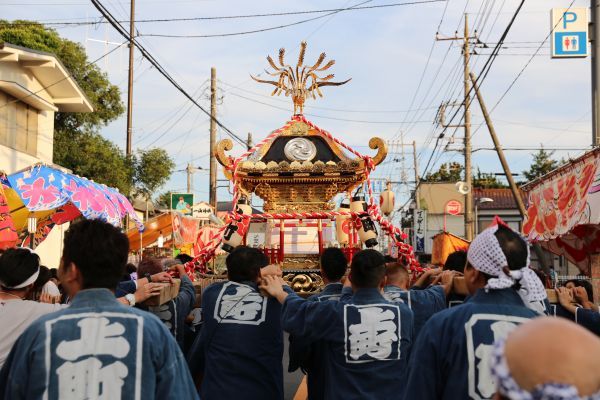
(568, 18)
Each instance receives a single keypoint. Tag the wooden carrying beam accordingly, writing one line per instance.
(168, 292)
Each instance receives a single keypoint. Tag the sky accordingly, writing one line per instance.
(400, 76)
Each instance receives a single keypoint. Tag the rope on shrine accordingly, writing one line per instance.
(397, 236)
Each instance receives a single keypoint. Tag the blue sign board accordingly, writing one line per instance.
(569, 32)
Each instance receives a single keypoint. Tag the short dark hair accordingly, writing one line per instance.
(456, 261)
(244, 263)
(99, 250)
(184, 258)
(42, 278)
(367, 269)
(587, 286)
(130, 268)
(333, 263)
(396, 270)
(513, 246)
(16, 266)
(150, 265)
(389, 259)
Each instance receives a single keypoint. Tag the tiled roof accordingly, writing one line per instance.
(503, 199)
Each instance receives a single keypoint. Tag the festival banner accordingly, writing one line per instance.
(185, 229)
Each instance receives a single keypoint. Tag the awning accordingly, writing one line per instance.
(563, 213)
(56, 197)
(444, 244)
(152, 231)
(187, 231)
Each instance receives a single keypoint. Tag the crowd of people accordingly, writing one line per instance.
(375, 331)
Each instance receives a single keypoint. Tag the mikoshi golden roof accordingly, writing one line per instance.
(300, 167)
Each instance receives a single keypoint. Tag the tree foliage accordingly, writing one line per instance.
(484, 180)
(152, 170)
(448, 172)
(163, 200)
(541, 165)
(89, 154)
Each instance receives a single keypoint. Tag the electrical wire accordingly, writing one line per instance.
(228, 17)
(322, 116)
(310, 106)
(123, 32)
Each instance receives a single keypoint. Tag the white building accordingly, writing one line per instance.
(33, 86)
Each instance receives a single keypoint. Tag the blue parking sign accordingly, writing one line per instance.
(569, 27)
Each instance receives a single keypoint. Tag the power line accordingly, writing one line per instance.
(484, 72)
(321, 116)
(310, 106)
(514, 81)
(160, 68)
(227, 17)
(272, 28)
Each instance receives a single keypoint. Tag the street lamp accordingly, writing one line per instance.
(480, 201)
(31, 229)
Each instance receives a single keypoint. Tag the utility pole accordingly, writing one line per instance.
(128, 147)
(190, 171)
(417, 197)
(213, 138)
(468, 173)
(595, 44)
(498, 146)
(511, 181)
(469, 225)
(249, 141)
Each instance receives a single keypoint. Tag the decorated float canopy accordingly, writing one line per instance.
(53, 197)
(300, 168)
(563, 213)
(297, 170)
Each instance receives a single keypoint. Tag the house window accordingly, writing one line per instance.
(18, 125)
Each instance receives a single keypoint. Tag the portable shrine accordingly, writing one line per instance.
(298, 170)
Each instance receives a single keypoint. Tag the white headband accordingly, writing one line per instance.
(486, 255)
(28, 282)
(507, 386)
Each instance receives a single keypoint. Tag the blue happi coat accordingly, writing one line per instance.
(309, 355)
(367, 341)
(96, 348)
(589, 319)
(240, 347)
(423, 303)
(174, 312)
(450, 359)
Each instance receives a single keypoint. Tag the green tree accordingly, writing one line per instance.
(448, 172)
(485, 180)
(163, 200)
(541, 165)
(152, 170)
(90, 155)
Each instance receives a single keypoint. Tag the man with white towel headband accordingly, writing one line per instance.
(451, 357)
(19, 268)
